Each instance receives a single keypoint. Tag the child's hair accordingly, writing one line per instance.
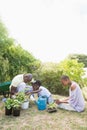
(38, 82)
(65, 77)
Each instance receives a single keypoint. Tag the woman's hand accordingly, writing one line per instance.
(57, 101)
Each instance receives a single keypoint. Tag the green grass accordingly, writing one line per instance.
(33, 119)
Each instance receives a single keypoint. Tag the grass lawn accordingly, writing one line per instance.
(33, 119)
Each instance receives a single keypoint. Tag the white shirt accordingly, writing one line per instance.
(76, 98)
(17, 80)
(23, 87)
(44, 91)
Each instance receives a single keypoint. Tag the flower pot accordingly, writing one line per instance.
(8, 111)
(25, 105)
(16, 112)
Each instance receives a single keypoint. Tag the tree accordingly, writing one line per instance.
(4, 69)
(82, 58)
(20, 60)
(73, 69)
(13, 58)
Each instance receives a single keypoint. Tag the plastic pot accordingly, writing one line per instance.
(16, 112)
(25, 105)
(8, 111)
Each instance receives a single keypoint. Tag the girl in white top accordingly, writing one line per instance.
(41, 91)
(75, 101)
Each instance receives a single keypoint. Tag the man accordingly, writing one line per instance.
(75, 101)
(19, 83)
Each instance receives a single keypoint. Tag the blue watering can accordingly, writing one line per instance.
(41, 103)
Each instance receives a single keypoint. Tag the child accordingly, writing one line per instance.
(41, 91)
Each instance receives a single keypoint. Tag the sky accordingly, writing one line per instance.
(49, 29)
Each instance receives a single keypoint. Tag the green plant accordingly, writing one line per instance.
(21, 97)
(16, 104)
(84, 91)
(52, 106)
(8, 103)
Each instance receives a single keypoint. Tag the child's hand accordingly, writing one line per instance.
(27, 93)
(16, 94)
(13, 96)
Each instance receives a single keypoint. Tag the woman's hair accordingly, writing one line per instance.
(38, 82)
(64, 77)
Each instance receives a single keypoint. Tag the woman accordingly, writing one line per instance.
(75, 101)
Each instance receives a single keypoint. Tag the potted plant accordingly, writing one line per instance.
(25, 103)
(52, 107)
(20, 97)
(23, 100)
(8, 106)
(16, 107)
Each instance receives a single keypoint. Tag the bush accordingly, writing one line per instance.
(50, 74)
(84, 90)
(51, 80)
